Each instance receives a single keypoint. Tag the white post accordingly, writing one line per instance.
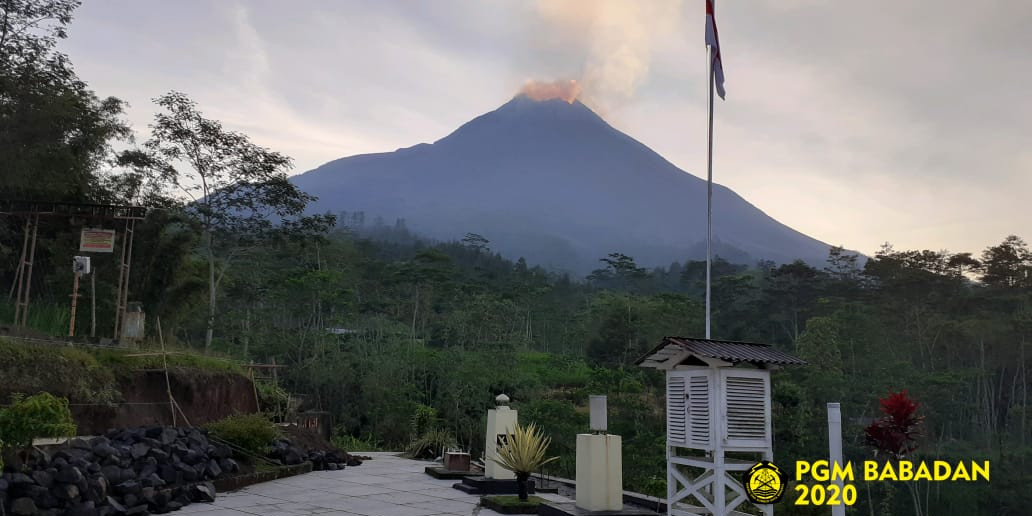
(500, 422)
(709, 187)
(835, 450)
(599, 464)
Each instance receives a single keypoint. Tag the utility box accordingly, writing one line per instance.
(133, 325)
(456, 461)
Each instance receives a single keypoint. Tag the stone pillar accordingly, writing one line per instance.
(500, 422)
(599, 472)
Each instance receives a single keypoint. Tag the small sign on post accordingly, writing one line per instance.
(97, 240)
(81, 265)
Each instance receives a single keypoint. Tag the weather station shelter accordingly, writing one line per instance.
(717, 403)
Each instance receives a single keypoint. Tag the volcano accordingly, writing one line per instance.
(551, 181)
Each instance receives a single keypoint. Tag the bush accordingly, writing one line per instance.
(432, 444)
(251, 432)
(423, 419)
(350, 443)
(273, 400)
(41, 415)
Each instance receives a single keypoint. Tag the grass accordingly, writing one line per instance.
(352, 444)
(511, 504)
(64, 371)
(85, 374)
(48, 318)
(123, 360)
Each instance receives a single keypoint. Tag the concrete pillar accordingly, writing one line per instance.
(599, 472)
(500, 422)
(835, 449)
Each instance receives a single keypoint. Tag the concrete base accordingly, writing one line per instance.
(485, 486)
(599, 472)
(446, 474)
(571, 509)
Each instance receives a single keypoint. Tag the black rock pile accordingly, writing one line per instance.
(285, 453)
(151, 470)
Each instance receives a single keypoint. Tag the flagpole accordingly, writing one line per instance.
(709, 187)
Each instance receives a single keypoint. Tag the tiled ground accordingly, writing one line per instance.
(385, 486)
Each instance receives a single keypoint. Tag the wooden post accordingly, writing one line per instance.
(21, 264)
(93, 303)
(257, 400)
(75, 297)
(21, 307)
(168, 383)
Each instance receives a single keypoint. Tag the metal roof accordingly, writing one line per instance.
(728, 350)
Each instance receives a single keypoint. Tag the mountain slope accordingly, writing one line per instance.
(553, 182)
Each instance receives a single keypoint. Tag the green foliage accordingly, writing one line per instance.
(432, 444)
(350, 443)
(40, 415)
(423, 419)
(48, 318)
(123, 361)
(252, 432)
(56, 132)
(513, 502)
(237, 187)
(273, 400)
(524, 450)
(69, 372)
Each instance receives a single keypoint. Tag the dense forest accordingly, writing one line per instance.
(377, 325)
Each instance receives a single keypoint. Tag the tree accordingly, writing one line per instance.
(238, 190)
(620, 272)
(1007, 265)
(820, 345)
(476, 242)
(54, 132)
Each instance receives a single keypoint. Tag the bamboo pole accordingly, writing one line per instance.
(168, 383)
(75, 299)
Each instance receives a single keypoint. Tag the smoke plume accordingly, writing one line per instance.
(616, 38)
(539, 90)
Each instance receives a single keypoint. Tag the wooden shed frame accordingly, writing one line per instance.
(718, 400)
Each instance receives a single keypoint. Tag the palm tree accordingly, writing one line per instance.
(523, 453)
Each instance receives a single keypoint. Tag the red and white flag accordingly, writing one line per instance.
(713, 42)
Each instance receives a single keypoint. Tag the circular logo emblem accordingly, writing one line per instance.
(764, 483)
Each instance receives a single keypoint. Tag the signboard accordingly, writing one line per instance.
(97, 240)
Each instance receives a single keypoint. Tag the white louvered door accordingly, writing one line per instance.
(700, 409)
(677, 410)
(746, 406)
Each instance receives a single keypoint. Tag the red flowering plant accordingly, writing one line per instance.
(896, 432)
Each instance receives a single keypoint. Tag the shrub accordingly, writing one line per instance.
(41, 415)
(350, 443)
(250, 432)
(423, 419)
(433, 443)
(273, 399)
(524, 453)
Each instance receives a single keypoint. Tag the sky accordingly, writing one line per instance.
(857, 123)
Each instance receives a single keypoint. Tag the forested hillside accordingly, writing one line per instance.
(381, 328)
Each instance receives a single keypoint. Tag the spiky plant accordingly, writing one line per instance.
(524, 453)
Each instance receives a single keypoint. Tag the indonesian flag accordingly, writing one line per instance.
(714, 43)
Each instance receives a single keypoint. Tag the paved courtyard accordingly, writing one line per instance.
(385, 486)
